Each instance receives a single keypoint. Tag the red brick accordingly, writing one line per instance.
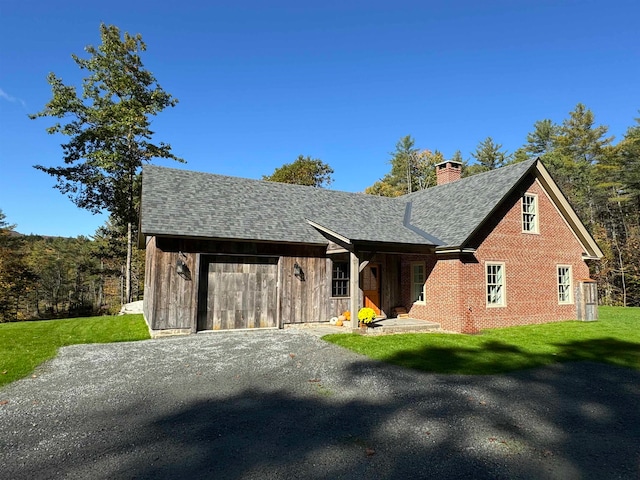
(456, 288)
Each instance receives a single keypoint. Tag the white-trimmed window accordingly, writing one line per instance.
(530, 213)
(496, 285)
(564, 284)
(418, 278)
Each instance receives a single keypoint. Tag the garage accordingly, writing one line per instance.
(238, 292)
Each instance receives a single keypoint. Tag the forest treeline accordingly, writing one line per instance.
(600, 178)
(53, 277)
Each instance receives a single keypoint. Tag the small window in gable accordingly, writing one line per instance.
(530, 213)
(564, 284)
(418, 279)
(495, 285)
(340, 279)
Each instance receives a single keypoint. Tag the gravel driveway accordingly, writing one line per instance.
(285, 404)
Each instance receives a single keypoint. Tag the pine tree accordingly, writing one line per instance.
(489, 155)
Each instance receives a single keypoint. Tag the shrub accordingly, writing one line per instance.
(366, 315)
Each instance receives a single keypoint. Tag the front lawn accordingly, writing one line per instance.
(614, 339)
(25, 345)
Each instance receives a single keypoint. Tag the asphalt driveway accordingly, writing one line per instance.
(285, 404)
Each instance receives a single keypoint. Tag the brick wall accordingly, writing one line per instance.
(456, 288)
(442, 290)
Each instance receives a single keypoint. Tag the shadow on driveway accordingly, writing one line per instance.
(348, 418)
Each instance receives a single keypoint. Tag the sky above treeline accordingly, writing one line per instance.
(260, 83)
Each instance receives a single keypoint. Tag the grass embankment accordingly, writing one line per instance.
(25, 345)
(613, 339)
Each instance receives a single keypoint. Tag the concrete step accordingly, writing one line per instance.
(400, 325)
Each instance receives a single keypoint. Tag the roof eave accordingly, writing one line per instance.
(480, 224)
(592, 250)
(560, 202)
(230, 239)
(329, 232)
(447, 250)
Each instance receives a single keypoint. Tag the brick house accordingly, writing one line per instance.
(496, 249)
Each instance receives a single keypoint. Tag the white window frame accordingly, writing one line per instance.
(489, 284)
(414, 284)
(526, 211)
(564, 289)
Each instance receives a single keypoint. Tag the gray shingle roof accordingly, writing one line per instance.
(453, 211)
(185, 203)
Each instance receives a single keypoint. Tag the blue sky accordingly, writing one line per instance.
(260, 82)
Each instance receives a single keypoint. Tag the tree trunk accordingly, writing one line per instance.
(127, 268)
(408, 173)
(101, 286)
(615, 241)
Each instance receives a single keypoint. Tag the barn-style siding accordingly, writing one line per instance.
(206, 300)
(311, 301)
(390, 295)
(249, 285)
(238, 292)
(170, 299)
(308, 300)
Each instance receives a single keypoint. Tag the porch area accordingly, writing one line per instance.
(383, 326)
(400, 325)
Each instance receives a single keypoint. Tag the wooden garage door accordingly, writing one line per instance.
(242, 292)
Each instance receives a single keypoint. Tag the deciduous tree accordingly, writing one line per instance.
(15, 276)
(303, 171)
(109, 128)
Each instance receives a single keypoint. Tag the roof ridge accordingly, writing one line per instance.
(454, 211)
(266, 182)
(477, 176)
(253, 209)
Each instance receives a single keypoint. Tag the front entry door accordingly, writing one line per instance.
(371, 286)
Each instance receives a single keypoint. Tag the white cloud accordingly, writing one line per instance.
(4, 95)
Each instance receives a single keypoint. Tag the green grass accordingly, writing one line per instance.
(613, 339)
(25, 345)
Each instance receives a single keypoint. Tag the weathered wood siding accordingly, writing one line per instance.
(305, 300)
(233, 286)
(390, 293)
(239, 292)
(170, 299)
(297, 301)
(337, 306)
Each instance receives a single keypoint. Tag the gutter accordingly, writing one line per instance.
(449, 250)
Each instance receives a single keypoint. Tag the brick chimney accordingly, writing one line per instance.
(448, 171)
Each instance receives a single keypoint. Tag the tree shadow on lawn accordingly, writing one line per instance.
(493, 356)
